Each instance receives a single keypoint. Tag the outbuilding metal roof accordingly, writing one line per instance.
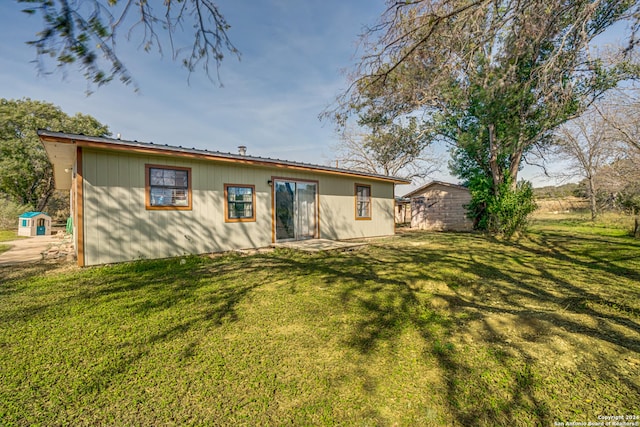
(32, 214)
(431, 184)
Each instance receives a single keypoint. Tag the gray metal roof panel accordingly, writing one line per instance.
(213, 153)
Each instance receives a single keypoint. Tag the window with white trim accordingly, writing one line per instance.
(240, 203)
(363, 201)
(168, 187)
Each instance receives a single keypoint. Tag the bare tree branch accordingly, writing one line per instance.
(410, 158)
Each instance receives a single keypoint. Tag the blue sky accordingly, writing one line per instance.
(294, 54)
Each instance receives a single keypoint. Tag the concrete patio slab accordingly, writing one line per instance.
(318, 245)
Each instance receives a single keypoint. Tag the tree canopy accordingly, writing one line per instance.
(26, 176)
(494, 77)
(86, 33)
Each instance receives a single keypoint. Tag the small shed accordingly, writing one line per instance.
(440, 206)
(34, 224)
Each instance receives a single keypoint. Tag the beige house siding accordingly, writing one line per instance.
(441, 207)
(403, 212)
(117, 226)
(338, 209)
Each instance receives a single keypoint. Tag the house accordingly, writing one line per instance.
(440, 206)
(133, 200)
(34, 224)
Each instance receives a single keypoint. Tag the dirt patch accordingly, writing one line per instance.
(57, 248)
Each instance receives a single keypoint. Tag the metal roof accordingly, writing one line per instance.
(84, 140)
(32, 214)
(432, 183)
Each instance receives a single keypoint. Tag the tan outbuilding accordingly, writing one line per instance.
(133, 200)
(440, 206)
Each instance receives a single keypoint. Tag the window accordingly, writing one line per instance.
(240, 203)
(167, 187)
(363, 201)
(25, 223)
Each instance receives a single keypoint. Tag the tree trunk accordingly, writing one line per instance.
(636, 229)
(516, 158)
(592, 198)
(41, 202)
(493, 160)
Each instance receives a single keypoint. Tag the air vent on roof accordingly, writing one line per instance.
(242, 150)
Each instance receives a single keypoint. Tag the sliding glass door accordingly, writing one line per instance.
(295, 210)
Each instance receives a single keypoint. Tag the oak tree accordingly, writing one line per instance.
(495, 77)
(26, 176)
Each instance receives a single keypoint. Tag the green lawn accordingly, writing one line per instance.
(6, 235)
(418, 329)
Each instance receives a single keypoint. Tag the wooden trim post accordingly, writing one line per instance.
(79, 208)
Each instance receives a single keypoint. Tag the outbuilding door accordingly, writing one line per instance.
(41, 229)
(295, 210)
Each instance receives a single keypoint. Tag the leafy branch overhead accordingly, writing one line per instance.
(85, 33)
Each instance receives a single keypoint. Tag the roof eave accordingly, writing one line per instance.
(430, 184)
(146, 148)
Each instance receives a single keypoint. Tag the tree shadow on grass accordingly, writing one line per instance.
(388, 289)
(389, 302)
(12, 274)
(597, 253)
(163, 301)
(17, 281)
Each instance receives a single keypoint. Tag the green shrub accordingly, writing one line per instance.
(629, 199)
(504, 212)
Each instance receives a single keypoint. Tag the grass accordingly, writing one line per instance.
(606, 223)
(419, 329)
(7, 235)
